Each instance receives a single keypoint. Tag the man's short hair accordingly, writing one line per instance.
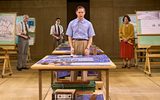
(129, 19)
(57, 18)
(80, 7)
(25, 16)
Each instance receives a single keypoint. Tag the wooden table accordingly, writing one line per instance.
(103, 67)
(64, 49)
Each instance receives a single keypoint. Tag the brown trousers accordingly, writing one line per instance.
(79, 49)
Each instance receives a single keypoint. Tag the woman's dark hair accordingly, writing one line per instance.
(127, 18)
(57, 18)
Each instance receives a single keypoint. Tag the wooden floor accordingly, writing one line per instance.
(125, 84)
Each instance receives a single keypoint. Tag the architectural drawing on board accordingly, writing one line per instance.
(7, 28)
(148, 15)
(148, 22)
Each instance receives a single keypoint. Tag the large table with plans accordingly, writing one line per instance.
(78, 62)
(64, 49)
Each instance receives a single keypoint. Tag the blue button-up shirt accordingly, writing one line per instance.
(80, 29)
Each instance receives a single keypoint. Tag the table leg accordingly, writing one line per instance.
(51, 78)
(105, 79)
(40, 85)
(99, 76)
(107, 84)
(84, 75)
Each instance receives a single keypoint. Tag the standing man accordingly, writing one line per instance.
(23, 43)
(80, 33)
(58, 36)
(57, 32)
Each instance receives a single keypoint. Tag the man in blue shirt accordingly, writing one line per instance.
(80, 33)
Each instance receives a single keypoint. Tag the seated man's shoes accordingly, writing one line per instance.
(19, 69)
(25, 68)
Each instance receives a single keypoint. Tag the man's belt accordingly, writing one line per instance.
(80, 39)
(25, 35)
(58, 35)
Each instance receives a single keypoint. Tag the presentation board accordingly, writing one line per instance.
(7, 28)
(148, 27)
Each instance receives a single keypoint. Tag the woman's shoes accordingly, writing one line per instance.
(129, 67)
(124, 66)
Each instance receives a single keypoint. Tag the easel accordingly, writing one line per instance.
(148, 37)
(29, 54)
(137, 55)
(151, 52)
(6, 58)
